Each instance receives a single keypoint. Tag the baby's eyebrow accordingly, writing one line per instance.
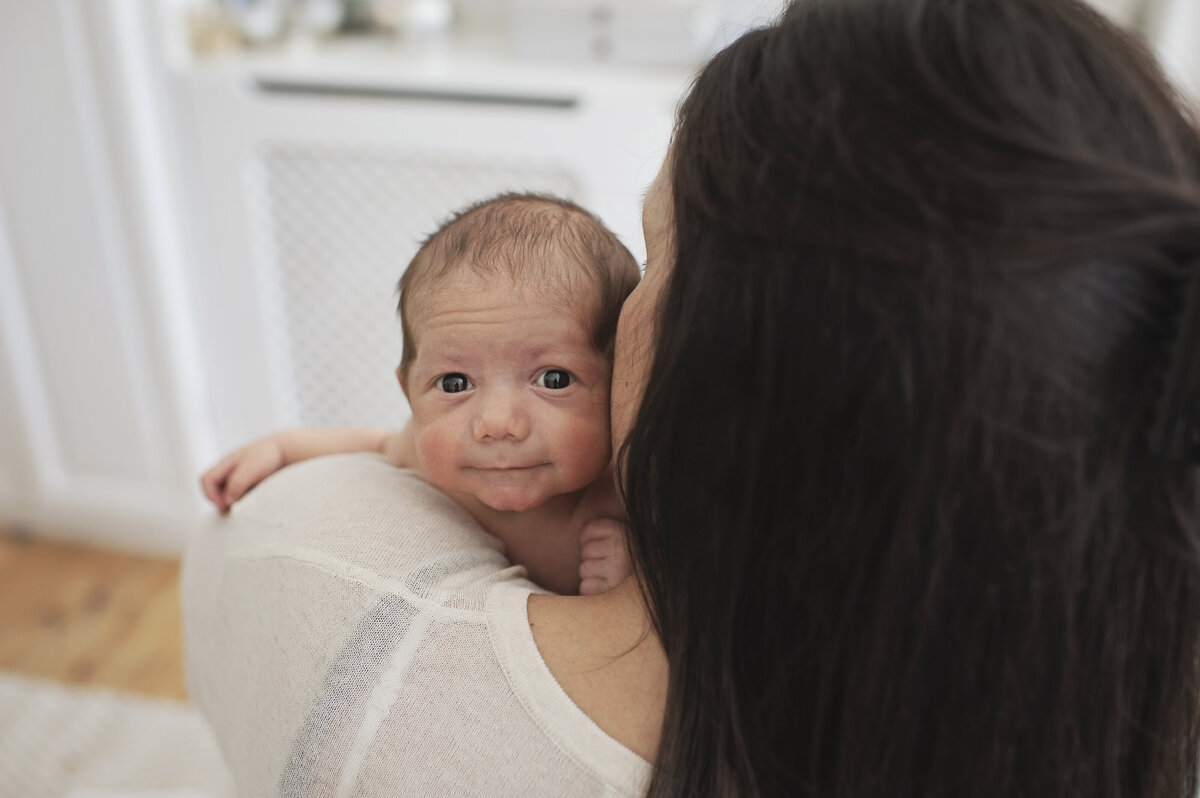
(552, 351)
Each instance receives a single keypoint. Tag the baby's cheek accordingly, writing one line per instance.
(587, 445)
(437, 453)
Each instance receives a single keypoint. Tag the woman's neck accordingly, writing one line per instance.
(605, 655)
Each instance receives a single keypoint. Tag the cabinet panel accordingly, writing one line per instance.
(314, 202)
(17, 377)
(91, 450)
(65, 241)
(334, 227)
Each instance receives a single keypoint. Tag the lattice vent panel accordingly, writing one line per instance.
(334, 228)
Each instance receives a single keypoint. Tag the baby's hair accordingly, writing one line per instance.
(518, 236)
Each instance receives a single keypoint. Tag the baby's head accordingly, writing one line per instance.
(509, 312)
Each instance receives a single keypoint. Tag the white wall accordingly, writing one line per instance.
(1175, 29)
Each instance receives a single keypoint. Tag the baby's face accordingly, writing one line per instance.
(509, 399)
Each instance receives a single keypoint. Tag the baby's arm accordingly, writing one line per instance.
(400, 448)
(236, 473)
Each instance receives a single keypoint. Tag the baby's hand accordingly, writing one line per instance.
(606, 561)
(228, 480)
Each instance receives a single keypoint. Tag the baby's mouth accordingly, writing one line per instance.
(509, 467)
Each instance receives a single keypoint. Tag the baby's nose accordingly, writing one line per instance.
(501, 417)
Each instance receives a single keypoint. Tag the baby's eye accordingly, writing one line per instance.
(453, 383)
(554, 379)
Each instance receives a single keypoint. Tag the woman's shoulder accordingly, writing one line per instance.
(365, 513)
(363, 489)
(540, 664)
(325, 647)
(604, 654)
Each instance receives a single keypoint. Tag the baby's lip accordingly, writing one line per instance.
(508, 467)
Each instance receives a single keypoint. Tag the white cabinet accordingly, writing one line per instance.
(318, 177)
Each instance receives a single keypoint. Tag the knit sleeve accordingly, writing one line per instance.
(292, 601)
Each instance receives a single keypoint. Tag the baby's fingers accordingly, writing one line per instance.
(213, 482)
(605, 562)
(250, 470)
(244, 477)
(600, 548)
(593, 586)
(607, 532)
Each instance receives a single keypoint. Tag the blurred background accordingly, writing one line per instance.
(205, 206)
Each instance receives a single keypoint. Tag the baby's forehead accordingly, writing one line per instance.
(574, 296)
(499, 323)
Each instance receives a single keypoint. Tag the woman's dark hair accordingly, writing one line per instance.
(892, 504)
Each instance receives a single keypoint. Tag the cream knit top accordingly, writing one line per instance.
(351, 631)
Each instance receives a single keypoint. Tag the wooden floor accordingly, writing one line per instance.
(88, 617)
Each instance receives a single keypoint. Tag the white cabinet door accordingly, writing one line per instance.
(93, 445)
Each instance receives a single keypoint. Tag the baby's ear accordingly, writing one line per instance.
(400, 379)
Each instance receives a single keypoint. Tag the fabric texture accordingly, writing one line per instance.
(351, 631)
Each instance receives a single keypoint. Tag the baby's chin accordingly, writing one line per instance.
(512, 501)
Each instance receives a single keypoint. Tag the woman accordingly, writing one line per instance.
(890, 492)
(903, 406)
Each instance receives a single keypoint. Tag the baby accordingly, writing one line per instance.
(509, 312)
